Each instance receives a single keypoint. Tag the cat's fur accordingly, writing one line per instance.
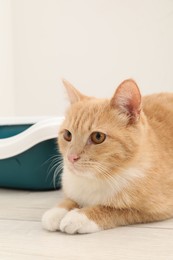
(128, 178)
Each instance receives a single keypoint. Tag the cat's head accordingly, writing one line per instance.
(100, 137)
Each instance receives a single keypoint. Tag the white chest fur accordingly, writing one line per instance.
(91, 191)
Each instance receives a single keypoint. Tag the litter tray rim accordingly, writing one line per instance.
(40, 131)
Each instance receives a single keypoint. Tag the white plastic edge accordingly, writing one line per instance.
(43, 130)
(21, 120)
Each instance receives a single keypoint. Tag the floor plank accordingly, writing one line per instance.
(29, 206)
(22, 237)
(28, 238)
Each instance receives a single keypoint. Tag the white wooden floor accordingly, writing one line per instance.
(22, 237)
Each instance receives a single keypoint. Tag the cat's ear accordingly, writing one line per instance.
(127, 99)
(73, 94)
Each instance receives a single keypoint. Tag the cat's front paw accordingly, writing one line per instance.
(76, 222)
(52, 218)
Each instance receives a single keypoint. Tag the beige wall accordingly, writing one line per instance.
(93, 43)
(6, 61)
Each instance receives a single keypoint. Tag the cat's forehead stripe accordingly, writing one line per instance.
(84, 117)
(81, 120)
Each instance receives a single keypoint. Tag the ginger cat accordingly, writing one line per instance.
(118, 161)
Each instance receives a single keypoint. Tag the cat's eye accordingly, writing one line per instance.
(67, 135)
(98, 137)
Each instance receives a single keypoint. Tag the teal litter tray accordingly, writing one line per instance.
(28, 153)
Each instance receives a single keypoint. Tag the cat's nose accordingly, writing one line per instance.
(73, 158)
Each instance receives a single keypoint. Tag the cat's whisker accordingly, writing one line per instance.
(56, 159)
(51, 158)
(109, 179)
(99, 169)
(56, 163)
(107, 176)
(57, 171)
(52, 165)
(102, 171)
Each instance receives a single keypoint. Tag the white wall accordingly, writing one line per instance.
(93, 43)
(6, 61)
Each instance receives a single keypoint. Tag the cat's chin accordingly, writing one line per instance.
(74, 169)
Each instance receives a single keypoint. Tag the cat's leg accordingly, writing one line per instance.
(52, 217)
(96, 218)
